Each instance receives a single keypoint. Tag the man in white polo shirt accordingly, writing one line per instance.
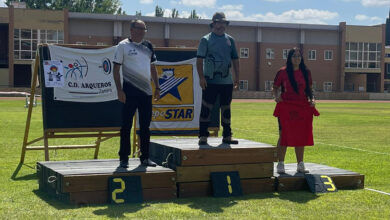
(136, 56)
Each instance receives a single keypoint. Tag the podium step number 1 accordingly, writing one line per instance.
(226, 184)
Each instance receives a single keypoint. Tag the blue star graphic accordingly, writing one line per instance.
(169, 86)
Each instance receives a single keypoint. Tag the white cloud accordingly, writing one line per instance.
(361, 17)
(308, 16)
(146, 2)
(375, 3)
(199, 3)
(186, 14)
(231, 7)
(150, 14)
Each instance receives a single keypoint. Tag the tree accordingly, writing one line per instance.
(159, 12)
(138, 13)
(86, 6)
(175, 13)
(194, 15)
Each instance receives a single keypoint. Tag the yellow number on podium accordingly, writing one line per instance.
(229, 181)
(123, 187)
(330, 182)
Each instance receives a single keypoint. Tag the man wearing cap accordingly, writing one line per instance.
(215, 55)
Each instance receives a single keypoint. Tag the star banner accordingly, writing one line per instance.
(178, 109)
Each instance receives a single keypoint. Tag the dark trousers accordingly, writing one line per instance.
(209, 98)
(144, 106)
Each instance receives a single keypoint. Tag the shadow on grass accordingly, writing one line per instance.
(118, 211)
(31, 176)
(297, 196)
(217, 205)
(61, 202)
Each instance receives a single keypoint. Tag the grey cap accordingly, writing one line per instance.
(219, 17)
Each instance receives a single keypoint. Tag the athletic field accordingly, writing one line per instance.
(348, 135)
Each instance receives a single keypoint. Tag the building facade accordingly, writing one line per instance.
(341, 57)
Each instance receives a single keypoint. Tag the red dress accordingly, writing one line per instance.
(294, 112)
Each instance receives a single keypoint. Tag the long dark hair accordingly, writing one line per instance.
(302, 67)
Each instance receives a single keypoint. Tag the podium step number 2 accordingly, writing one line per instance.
(226, 184)
(125, 189)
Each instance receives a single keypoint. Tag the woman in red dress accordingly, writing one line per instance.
(293, 87)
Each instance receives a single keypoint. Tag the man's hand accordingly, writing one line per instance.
(156, 94)
(121, 96)
(203, 83)
(235, 84)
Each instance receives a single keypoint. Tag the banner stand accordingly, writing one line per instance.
(102, 134)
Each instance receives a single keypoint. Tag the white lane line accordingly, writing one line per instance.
(352, 148)
(318, 142)
(374, 190)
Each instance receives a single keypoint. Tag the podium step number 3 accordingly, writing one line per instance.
(226, 184)
(320, 183)
(125, 189)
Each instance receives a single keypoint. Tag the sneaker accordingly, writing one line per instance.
(229, 140)
(148, 163)
(124, 163)
(202, 140)
(301, 168)
(280, 168)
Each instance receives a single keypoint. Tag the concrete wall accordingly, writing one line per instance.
(364, 34)
(38, 19)
(4, 15)
(321, 37)
(283, 36)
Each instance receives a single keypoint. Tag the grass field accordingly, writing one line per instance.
(352, 136)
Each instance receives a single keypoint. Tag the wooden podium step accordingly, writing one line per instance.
(194, 164)
(202, 189)
(86, 181)
(187, 152)
(292, 180)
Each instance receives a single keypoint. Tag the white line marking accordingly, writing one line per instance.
(319, 142)
(374, 190)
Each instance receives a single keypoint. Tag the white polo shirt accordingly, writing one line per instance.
(135, 59)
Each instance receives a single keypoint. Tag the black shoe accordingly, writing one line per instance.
(229, 140)
(148, 163)
(124, 163)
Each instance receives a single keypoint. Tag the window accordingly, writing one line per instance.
(285, 53)
(312, 55)
(387, 72)
(244, 52)
(269, 53)
(81, 43)
(268, 85)
(328, 86)
(26, 41)
(243, 85)
(314, 86)
(328, 55)
(362, 55)
(101, 44)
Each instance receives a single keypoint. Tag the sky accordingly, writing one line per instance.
(354, 12)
